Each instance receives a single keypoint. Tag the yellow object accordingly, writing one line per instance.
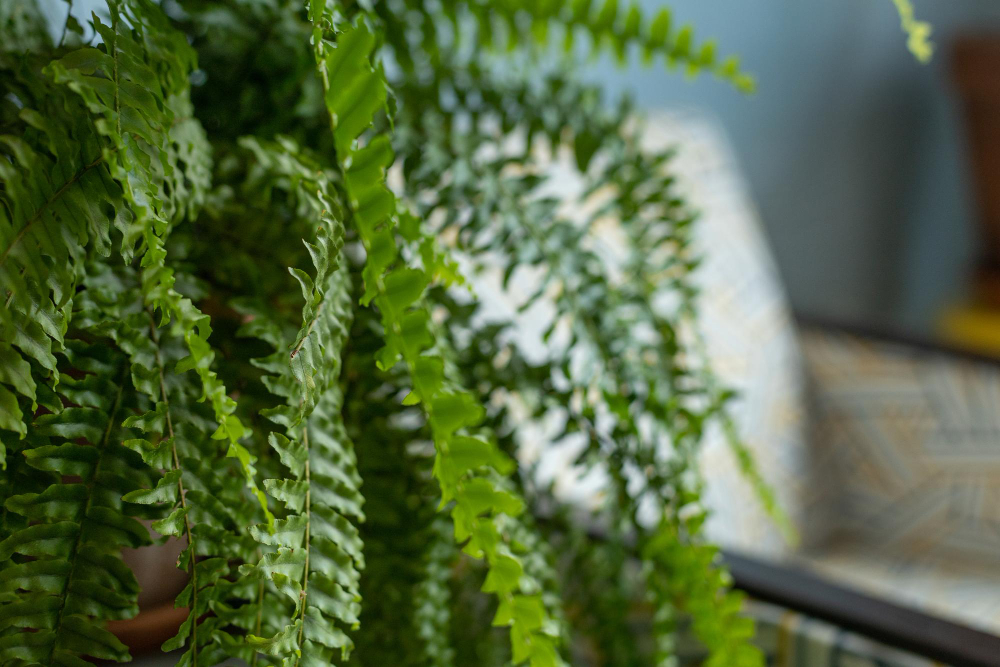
(972, 327)
(918, 32)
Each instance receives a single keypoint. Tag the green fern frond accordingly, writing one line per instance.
(627, 376)
(316, 556)
(54, 205)
(136, 87)
(313, 354)
(608, 25)
(131, 85)
(354, 92)
(197, 497)
(316, 541)
(317, 544)
(64, 558)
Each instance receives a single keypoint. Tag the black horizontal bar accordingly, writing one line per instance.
(886, 622)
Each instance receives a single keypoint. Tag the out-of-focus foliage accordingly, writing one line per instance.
(233, 238)
(918, 33)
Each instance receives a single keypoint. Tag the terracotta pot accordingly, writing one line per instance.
(976, 69)
(159, 583)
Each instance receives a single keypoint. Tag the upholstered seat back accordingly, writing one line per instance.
(750, 336)
(912, 438)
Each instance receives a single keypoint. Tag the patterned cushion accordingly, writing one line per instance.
(910, 440)
(749, 333)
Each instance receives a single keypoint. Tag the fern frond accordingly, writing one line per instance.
(354, 92)
(608, 25)
(198, 497)
(144, 155)
(54, 205)
(629, 379)
(136, 86)
(64, 558)
(313, 354)
(316, 541)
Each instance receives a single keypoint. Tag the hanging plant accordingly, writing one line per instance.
(220, 318)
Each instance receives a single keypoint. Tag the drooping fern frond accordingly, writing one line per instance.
(137, 89)
(310, 562)
(317, 556)
(122, 155)
(303, 368)
(510, 23)
(61, 556)
(197, 498)
(55, 203)
(614, 26)
(132, 158)
(354, 92)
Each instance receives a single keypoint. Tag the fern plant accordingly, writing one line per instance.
(234, 239)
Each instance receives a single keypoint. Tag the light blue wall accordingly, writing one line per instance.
(854, 152)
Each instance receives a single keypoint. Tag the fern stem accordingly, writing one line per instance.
(305, 570)
(180, 490)
(260, 614)
(298, 346)
(90, 499)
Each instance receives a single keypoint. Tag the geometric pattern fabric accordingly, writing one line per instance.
(910, 440)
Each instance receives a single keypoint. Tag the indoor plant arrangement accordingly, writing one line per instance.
(234, 239)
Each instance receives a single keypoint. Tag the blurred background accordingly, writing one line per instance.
(856, 155)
